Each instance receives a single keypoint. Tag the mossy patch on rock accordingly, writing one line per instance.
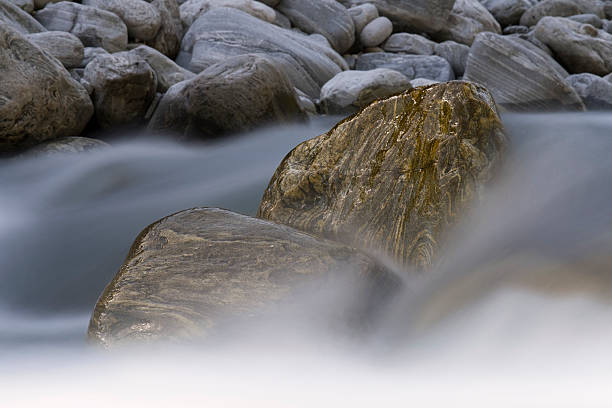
(395, 176)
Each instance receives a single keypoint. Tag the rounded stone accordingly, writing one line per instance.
(376, 32)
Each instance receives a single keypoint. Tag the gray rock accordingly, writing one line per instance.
(409, 44)
(67, 145)
(530, 36)
(141, 18)
(167, 71)
(515, 29)
(39, 100)
(89, 53)
(235, 95)
(326, 17)
(271, 3)
(507, 12)
(25, 5)
(607, 9)
(64, 46)
(376, 32)
(306, 104)
(579, 47)
(320, 39)
(608, 77)
(352, 90)
(168, 38)
(413, 66)
(351, 60)
(561, 8)
(281, 20)
(225, 32)
(519, 75)
(38, 4)
(456, 54)
(408, 15)
(466, 20)
(124, 87)
(192, 9)
(94, 27)
(21, 21)
(591, 19)
(362, 15)
(422, 82)
(198, 272)
(607, 26)
(596, 92)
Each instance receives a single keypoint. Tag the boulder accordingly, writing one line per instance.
(362, 15)
(326, 17)
(25, 5)
(124, 87)
(561, 8)
(596, 92)
(351, 90)
(226, 32)
(235, 95)
(409, 44)
(64, 46)
(413, 66)
(281, 20)
(456, 54)
(507, 12)
(467, 19)
(376, 32)
(195, 273)
(408, 15)
(591, 19)
(422, 82)
(192, 9)
(519, 75)
(89, 53)
(20, 20)
(515, 29)
(141, 18)
(579, 47)
(168, 73)
(94, 27)
(67, 145)
(168, 38)
(39, 100)
(394, 177)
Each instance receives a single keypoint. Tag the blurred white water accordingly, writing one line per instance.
(516, 314)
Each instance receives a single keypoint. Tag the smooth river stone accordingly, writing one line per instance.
(561, 8)
(466, 20)
(67, 48)
(21, 21)
(595, 91)
(141, 18)
(195, 273)
(394, 177)
(520, 75)
(413, 66)
(192, 9)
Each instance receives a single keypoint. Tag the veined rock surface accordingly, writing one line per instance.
(393, 177)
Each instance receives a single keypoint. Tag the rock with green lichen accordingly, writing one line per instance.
(192, 274)
(395, 176)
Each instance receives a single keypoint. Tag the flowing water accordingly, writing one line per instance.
(517, 313)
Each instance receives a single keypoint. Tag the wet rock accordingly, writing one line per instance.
(596, 92)
(421, 15)
(225, 32)
(236, 95)
(94, 27)
(519, 75)
(168, 38)
(351, 90)
(376, 32)
(591, 19)
(124, 87)
(189, 275)
(362, 15)
(579, 47)
(25, 5)
(66, 145)
(561, 8)
(192, 9)
(507, 12)
(467, 19)
(20, 20)
(394, 177)
(409, 44)
(456, 54)
(325, 17)
(39, 100)
(413, 66)
(141, 18)
(67, 48)
(168, 73)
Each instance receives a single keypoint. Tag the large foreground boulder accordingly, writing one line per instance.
(226, 32)
(188, 273)
(39, 100)
(232, 96)
(395, 176)
(520, 75)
